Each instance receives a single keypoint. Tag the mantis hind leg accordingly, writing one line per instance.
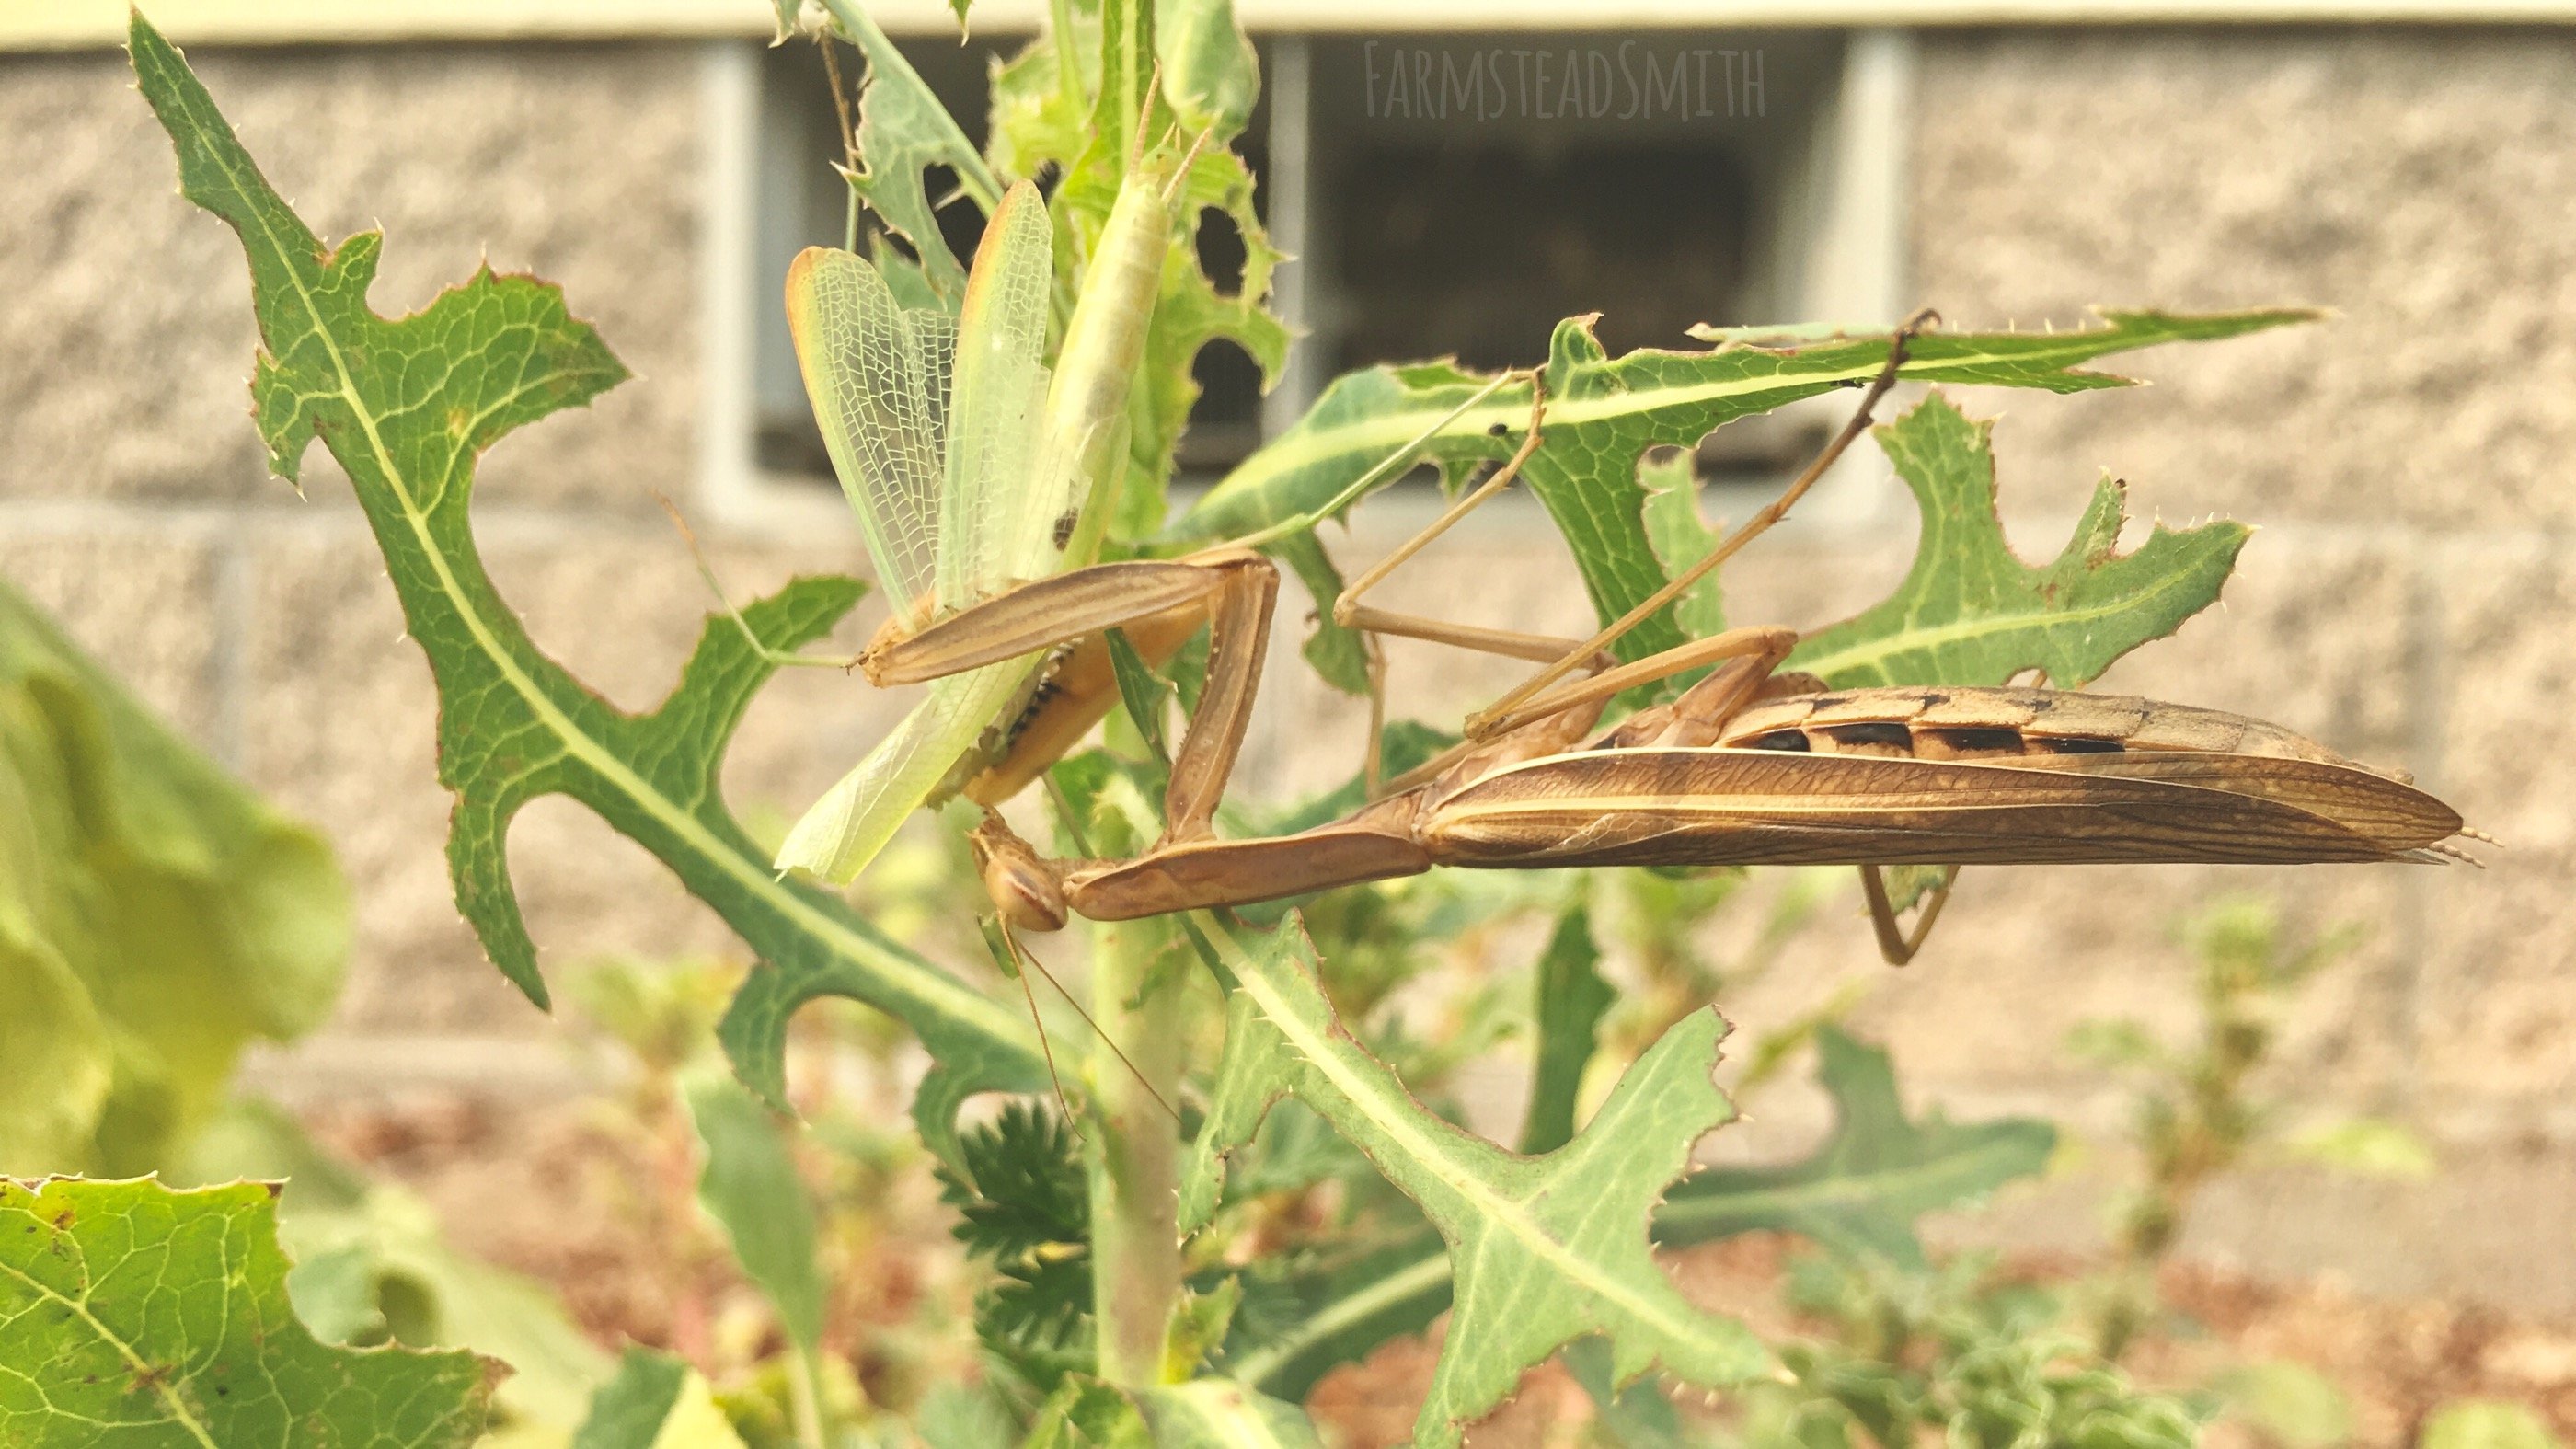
(1895, 944)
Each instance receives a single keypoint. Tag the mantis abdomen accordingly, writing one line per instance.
(1860, 777)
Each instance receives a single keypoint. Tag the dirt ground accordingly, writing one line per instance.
(552, 1192)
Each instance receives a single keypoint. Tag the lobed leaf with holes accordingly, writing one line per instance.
(1605, 413)
(407, 407)
(1862, 1190)
(1970, 612)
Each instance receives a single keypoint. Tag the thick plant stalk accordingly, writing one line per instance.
(1134, 1146)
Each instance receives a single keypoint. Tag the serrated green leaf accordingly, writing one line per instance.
(1545, 1249)
(406, 407)
(132, 1313)
(1023, 1202)
(1604, 413)
(1865, 1186)
(155, 917)
(1879, 1171)
(750, 1186)
(1970, 612)
(1019, 1187)
(903, 132)
(1571, 999)
(1680, 538)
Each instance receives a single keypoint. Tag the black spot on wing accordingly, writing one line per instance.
(1793, 741)
(2079, 745)
(1976, 740)
(1880, 733)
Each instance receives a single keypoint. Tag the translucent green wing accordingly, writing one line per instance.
(877, 374)
(952, 534)
(997, 524)
(843, 831)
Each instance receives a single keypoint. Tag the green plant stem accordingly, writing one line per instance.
(1133, 1148)
(807, 1387)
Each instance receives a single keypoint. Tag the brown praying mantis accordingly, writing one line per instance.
(1749, 766)
(972, 489)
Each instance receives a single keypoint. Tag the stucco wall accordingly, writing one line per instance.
(2404, 601)
(2408, 596)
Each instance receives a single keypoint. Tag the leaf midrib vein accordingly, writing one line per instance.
(1293, 454)
(1876, 652)
(961, 1004)
(162, 1388)
(1503, 1211)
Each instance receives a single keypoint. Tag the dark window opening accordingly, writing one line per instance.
(805, 203)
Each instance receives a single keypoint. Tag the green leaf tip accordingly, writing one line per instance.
(329, 362)
(407, 406)
(163, 1315)
(1971, 612)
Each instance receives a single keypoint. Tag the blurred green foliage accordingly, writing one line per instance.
(155, 917)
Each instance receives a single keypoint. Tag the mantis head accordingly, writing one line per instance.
(1025, 887)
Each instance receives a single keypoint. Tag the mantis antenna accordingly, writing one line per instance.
(1016, 962)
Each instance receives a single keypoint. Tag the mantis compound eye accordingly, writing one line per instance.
(1023, 887)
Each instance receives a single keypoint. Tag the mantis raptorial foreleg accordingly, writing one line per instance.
(1234, 588)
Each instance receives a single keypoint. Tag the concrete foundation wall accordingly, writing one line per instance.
(2406, 599)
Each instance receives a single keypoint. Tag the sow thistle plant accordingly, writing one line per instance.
(1251, 1188)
